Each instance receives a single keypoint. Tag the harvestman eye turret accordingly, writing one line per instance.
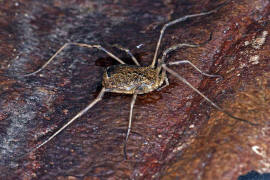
(135, 79)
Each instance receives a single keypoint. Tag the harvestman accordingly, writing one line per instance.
(135, 79)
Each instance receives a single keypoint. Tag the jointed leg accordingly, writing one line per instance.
(128, 52)
(175, 47)
(76, 44)
(170, 49)
(164, 78)
(201, 94)
(192, 87)
(165, 85)
(172, 23)
(96, 100)
(195, 67)
(129, 123)
(178, 46)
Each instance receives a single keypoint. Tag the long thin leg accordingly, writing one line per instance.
(175, 47)
(76, 44)
(178, 46)
(170, 49)
(129, 123)
(195, 67)
(167, 83)
(128, 52)
(206, 98)
(181, 19)
(98, 98)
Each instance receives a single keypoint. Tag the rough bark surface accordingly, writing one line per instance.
(175, 133)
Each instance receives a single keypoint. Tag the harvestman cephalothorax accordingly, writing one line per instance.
(135, 79)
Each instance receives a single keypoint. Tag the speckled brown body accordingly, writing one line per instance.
(129, 79)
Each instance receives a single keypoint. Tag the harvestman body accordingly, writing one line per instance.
(135, 79)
